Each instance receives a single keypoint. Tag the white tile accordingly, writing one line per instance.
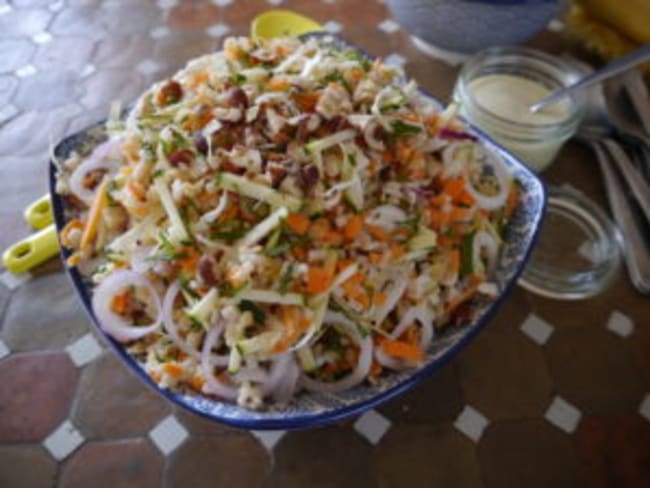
(471, 422)
(25, 71)
(5, 9)
(168, 435)
(88, 70)
(56, 6)
(84, 350)
(166, 4)
(332, 26)
(620, 324)
(395, 60)
(644, 408)
(217, 30)
(329, 1)
(42, 38)
(221, 3)
(389, 26)
(4, 350)
(563, 415)
(148, 67)
(373, 426)
(63, 441)
(555, 25)
(536, 329)
(159, 32)
(13, 281)
(269, 438)
(275, 2)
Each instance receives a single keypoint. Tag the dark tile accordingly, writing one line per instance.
(48, 90)
(86, 20)
(592, 369)
(614, 450)
(425, 456)
(639, 345)
(201, 426)
(19, 138)
(325, 457)
(122, 51)
(127, 18)
(436, 399)
(14, 54)
(529, 452)
(116, 464)
(35, 395)
(503, 374)
(107, 86)
(113, 403)
(234, 460)
(44, 313)
(176, 50)
(24, 22)
(64, 53)
(8, 86)
(26, 467)
(193, 16)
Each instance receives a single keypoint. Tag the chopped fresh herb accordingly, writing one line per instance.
(352, 159)
(157, 174)
(278, 249)
(228, 235)
(402, 128)
(285, 279)
(258, 314)
(467, 255)
(238, 79)
(356, 55)
(195, 325)
(337, 77)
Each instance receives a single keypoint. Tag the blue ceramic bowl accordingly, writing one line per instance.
(310, 410)
(468, 26)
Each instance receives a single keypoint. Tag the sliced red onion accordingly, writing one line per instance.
(393, 297)
(387, 217)
(360, 371)
(212, 385)
(170, 325)
(285, 389)
(96, 160)
(278, 371)
(425, 317)
(113, 324)
(369, 136)
(252, 374)
(503, 179)
(446, 133)
(485, 241)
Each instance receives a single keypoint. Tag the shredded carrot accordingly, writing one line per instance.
(375, 257)
(94, 216)
(190, 262)
(119, 303)
(353, 227)
(307, 101)
(318, 279)
(295, 323)
(379, 298)
(454, 261)
(512, 201)
(298, 223)
(319, 229)
(69, 227)
(396, 250)
(454, 187)
(402, 350)
(356, 292)
(197, 382)
(457, 214)
(466, 198)
(173, 370)
(439, 200)
(377, 232)
(356, 74)
(299, 252)
(276, 84)
(463, 297)
(137, 190)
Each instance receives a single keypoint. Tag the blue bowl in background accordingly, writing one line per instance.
(311, 409)
(468, 26)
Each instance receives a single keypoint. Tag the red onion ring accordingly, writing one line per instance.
(170, 325)
(96, 160)
(212, 385)
(360, 371)
(110, 322)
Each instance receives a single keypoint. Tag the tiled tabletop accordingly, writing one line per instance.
(550, 394)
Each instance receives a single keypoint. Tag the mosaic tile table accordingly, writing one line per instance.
(550, 394)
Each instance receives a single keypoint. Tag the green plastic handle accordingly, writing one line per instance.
(277, 23)
(31, 251)
(39, 213)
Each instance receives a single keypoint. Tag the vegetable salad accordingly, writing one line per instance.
(281, 216)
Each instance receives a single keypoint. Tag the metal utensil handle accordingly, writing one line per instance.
(634, 179)
(632, 59)
(636, 256)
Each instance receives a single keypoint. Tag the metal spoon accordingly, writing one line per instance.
(632, 59)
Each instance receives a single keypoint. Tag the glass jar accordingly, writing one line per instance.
(534, 138)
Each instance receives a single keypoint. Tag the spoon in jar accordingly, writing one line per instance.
(636, 57)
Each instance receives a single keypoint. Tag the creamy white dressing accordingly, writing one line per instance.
(509, 97)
